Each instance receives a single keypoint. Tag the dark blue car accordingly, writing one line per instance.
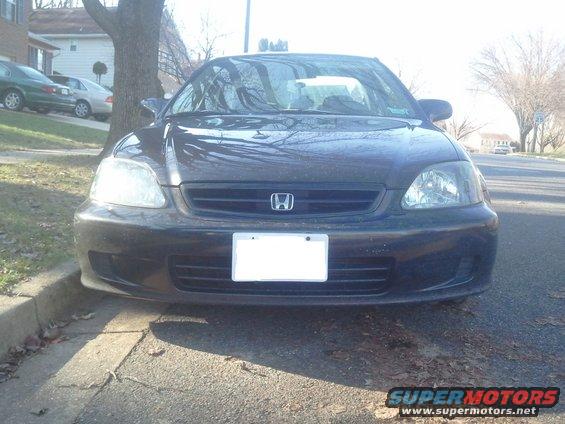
(289, 179)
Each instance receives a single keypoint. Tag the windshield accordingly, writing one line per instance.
(34, 74)
(93, 86)
(295, 84)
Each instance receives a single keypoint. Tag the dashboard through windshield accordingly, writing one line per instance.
(295, 84)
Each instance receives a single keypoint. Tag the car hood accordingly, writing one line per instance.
(287, 150)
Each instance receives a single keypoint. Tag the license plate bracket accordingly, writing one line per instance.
(280, 257)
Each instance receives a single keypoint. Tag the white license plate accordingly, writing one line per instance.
(279, 257)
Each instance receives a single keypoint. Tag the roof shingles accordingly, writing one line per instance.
(63, 21)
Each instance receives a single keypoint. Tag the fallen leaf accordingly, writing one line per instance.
(245, 367)
(39, 412)
(113, 375)
(32, 343)
(156, 352)
(560, 294)
(84, 317)
(336, 408)
(8, 367)
(59, 340)
(338, 354)
(294, 407)
(17, 351)
(60, 324)
(51, 333)
(550, 321)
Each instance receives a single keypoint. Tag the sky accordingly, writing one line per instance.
(433, 39)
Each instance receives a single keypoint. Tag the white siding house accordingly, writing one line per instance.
(78, 52)
(82, 43)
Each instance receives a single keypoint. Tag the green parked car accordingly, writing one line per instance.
(24, 86)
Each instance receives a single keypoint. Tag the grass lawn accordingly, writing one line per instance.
(19, 131)
(559, 154)
(37, 202)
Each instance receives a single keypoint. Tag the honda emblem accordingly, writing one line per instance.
(282, 201)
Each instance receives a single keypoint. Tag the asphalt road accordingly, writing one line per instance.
(223, 364)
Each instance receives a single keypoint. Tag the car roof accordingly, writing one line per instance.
(70, 76)
(9, 64)
(296, 55)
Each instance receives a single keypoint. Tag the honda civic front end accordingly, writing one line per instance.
(289, 179)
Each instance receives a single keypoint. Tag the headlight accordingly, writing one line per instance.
(444, 185)
(126, 182)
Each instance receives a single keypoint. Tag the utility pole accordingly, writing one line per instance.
(246, 40)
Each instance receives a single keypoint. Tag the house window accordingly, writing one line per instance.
(12, 10)
(74, 45)
(36, 59)
(4, 72)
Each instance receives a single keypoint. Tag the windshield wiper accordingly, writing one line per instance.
(201, 112)
(302, 112)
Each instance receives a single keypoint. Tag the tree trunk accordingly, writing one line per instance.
(534, 139)
(524, 131)
(134, 28)
(542, 138)
(524, 128)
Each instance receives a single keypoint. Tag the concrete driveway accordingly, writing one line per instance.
(59, 117)
(146, 362)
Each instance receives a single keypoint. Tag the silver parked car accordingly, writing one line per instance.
(502, 149)
(92, 98)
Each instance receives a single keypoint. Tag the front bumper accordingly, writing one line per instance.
(52, 101)
(101, 108)
(435, 255)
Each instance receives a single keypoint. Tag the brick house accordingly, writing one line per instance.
(17, 43)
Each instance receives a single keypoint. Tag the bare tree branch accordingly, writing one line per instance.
(460, 129)
(104, 17)
(412, 80)
(527, 74)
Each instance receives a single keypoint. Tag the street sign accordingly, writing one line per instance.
(539, 117)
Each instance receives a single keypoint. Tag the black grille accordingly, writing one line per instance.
(346, 276)
(253, 200)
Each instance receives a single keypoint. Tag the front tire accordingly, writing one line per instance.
(13, 100)
(454, 302)
(82, 110)
(101, 118)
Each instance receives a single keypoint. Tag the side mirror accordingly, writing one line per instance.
(152, 106)
(436, 110)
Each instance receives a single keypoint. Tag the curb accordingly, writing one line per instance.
(539, 157)
(34, 303)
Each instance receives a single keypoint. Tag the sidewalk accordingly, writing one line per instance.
(18, 156)
(55, 385)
